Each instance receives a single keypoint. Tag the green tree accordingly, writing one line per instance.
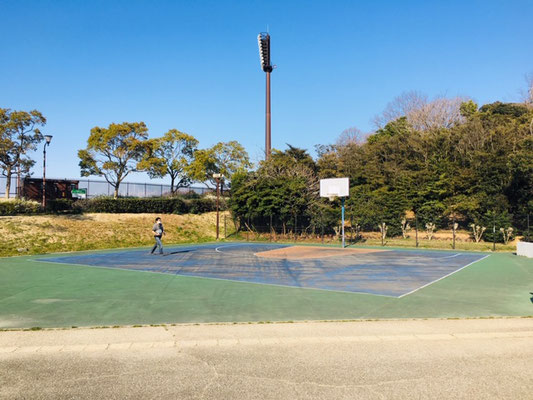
(283, 187)
(114, 152)
(170, 155)
(224, 158)
(19, 134)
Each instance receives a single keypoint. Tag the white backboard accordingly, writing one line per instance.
(338, 187)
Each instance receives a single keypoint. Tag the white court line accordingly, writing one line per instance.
(217, 249)
(455, 255)
(445, 276)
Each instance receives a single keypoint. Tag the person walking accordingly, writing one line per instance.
(158, 232)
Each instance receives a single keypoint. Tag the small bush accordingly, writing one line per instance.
(16, 207)
(202, 205)
(66, 206)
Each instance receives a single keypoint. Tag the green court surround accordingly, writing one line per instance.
(36, 294)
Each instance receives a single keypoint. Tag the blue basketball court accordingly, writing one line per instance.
(394, 273)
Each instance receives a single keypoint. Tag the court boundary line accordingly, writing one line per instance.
(240, 244)
(443, 277)
(269, 284)
(216, 279)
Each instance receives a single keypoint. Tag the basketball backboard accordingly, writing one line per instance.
(335, 187)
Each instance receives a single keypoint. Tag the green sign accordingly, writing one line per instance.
(79, 193)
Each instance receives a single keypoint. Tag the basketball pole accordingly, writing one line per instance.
(343, 241)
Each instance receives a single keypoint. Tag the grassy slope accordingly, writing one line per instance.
(41, 234)
(49, 233)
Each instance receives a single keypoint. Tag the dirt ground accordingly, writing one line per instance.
(305, 252)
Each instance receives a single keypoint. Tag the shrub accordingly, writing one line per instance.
(135, 206)
(199, 206)
(67, 206)
(15, 207)
(164, 205)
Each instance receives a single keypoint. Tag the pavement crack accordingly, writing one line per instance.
(214, 378)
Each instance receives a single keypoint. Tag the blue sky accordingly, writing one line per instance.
(194, 65)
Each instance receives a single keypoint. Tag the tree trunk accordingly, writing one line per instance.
(172, 178)
(115, 193)
(8, 182)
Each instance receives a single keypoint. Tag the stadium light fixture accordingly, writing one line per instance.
(263, 40)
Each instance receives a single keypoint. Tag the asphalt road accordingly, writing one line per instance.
(426, 359)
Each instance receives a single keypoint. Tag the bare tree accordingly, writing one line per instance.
(528, 97)
(351, 135)
(422, 114)
(400, 106)
(439, 113)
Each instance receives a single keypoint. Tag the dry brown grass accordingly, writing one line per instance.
(441, 240)
(48, 233)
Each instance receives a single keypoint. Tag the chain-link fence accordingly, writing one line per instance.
(12, 189)
(357, 230)
(97, 188)
(134, 189)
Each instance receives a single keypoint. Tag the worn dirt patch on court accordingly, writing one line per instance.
(303, 252)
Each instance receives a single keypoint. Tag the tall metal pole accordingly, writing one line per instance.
(263, 40)
(218, 193)
(44, 176)
(343, 240)
(268, 144)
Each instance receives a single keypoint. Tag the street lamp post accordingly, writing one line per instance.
(48, 139)
(263, 40)
(217, 177)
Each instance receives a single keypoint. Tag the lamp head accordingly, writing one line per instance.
(217, 176)
(263, 40)
(48, 138)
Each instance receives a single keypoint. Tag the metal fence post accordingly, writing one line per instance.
(351, 229)
(416, 229)
(295, 227)
(528, 238)
(270, 227)
(453, 230)
(494, 231)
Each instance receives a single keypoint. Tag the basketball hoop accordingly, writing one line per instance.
(333, 188)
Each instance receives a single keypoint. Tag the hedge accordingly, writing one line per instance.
(16, 207)
(166, 205)
(131, 205)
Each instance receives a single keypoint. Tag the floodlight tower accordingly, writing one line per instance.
(263, 39)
